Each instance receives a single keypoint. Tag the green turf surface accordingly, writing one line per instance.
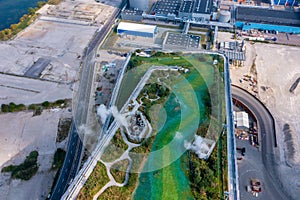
(165, 174)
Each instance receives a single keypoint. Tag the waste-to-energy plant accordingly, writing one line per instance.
(195, 9)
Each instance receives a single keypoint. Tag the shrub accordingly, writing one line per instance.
(4, 108)
(58, 158)
(46, 104)
(25, 170)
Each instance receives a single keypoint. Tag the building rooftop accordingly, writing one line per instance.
(268, 16)
(203, 6)
(136, 27)
(165, 7)
(233, 50)
(242, 119)
(182, 40)
(133, 12)
(186, 6)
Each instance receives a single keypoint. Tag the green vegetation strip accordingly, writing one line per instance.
(25, 170)
(95, 182)
(118, 170)
(37, 108)
(115, 148)
(209, 178)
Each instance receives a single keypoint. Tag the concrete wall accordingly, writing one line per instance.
(131, 17)
(139, 4)
(136, 33)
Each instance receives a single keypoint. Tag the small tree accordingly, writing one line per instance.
(4, 108)
(31, 11)
(46, 104)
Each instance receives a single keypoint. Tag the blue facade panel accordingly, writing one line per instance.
(286, 2)
(284, 29)
(136, 33)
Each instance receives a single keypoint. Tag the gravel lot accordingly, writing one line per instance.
(20, 134)
(277, 68)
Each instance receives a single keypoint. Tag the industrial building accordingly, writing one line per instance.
(139, 4)
(164, 8)
(181, 41)
(268, 16)
(141, 30)
(198, 9)
(286, 2)
(234, 51)
(132, 15)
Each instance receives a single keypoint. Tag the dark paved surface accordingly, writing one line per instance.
(260, 15)
(265, 165)
(70, 166)
(37, 68)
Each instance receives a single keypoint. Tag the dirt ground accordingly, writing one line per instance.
(276, 68)
(27, 91)
(60, 34)
(22, 133)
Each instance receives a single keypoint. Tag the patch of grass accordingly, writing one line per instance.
(25, 170)
(95, 182)
(117, 193)
(110, 40)
(118, 170)
(115, 148)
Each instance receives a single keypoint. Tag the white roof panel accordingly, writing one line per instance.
(136, 27)
(242, 119)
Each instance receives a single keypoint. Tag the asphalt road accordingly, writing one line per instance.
(69, 169)
(267, 141)
(75, 144)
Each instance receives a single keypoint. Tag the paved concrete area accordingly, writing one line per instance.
(251, 167)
